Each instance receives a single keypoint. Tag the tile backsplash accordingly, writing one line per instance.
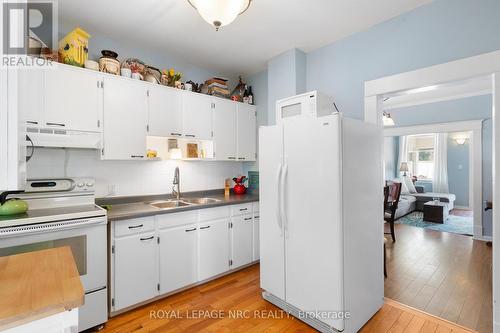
(118, 178)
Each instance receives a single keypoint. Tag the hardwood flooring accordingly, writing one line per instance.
(241, 291)
(462, 212)
(446, 275)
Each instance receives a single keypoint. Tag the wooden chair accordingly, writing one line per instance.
(391, 205)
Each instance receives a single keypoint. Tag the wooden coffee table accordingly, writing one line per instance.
(435, 211)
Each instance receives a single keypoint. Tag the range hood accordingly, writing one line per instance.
(60, 138)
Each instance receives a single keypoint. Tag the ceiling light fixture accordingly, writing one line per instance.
(461, 141)
(220, 12)
(387, 119)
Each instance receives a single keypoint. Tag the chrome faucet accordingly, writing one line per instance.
(177, 183)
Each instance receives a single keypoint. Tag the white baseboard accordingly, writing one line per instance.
(484, 239)
(462, 207)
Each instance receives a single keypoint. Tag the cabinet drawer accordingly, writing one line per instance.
(134, 226)
(176, 219)
(241, 209)
(256, 208)
(216, 213)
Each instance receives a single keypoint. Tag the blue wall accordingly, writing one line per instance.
(458, 171)
(441, 31)
(391, 152)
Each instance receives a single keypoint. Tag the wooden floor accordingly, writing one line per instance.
(444, 274)
(462, 212)
(240, 291)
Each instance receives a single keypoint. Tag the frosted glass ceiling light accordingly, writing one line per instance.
(387, 119)
(220, 12)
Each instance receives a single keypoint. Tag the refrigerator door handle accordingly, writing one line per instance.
(282, 206)
(278, 190)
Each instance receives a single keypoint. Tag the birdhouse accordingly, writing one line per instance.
(74, 48)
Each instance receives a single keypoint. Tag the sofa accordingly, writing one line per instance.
(409, 202)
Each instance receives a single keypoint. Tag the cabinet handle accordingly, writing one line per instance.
(137, 156)
(136, 226)
(147, 238)
(247, 218)
(231, 158)
(189, 230)
(190, 136)
(256, 217)
(243, 209)
(32, 122)
(241, 158)
(55, 124)
(176, 134)
(205, 227)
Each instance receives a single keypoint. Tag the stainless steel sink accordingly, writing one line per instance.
(200, 201)
(169, 204)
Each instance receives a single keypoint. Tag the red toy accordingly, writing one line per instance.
(240, 188)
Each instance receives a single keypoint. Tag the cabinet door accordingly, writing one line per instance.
(178, 257)
(165, 111)
(31, 83)
(72, 99)
(247, 132)
(213, 251)
(135, 269)
(125, 112)
(256, 242)
(242, 240)
(197, 116)
(225, 130)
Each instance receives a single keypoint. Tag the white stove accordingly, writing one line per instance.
(62, 212)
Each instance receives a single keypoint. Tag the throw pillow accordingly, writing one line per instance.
(404, 188)
(409, 185)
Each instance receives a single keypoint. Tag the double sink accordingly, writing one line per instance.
(182, 202)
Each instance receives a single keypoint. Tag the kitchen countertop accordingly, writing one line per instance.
(123, 208)
(38, 284)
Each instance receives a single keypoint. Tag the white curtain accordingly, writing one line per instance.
(440, 179)
(403, 153)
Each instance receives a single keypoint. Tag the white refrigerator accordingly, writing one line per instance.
(321, 229)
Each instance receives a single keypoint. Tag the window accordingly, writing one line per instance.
(421, 156)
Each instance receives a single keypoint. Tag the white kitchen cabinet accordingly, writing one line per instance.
(178, 257)
(241, 240)
(213, 249)
(197, 116)
(256, 242)
(135, 269)
(224, 116)
(31, 95)
(165, 111)
(247, 132)
(72, 99)
(125, 107)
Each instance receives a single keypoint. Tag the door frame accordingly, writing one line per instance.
(475, 161)
(431, 78)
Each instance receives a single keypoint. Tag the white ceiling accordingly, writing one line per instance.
(268, 28)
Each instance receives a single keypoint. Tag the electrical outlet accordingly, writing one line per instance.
(111, 189)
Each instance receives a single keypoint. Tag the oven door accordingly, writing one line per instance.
(85, 237)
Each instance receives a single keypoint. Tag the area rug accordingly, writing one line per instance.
(455, 224)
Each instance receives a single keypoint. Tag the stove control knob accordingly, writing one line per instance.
(90, 184)
(80, 184)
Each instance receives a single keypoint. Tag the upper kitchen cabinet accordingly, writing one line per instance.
(72, 99)
(165, 111)
(247, 131)
(31, 95)
(224, 129)
(125, 109)
(197, 116)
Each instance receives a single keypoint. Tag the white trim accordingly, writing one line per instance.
(474, 67)
(475, 159)
(461, 207)
(463, 69)
(483, 238)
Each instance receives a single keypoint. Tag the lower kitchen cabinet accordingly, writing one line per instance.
(135, 269)
(178, 257)
(256, 241)
(241, 240)
(213, 254)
